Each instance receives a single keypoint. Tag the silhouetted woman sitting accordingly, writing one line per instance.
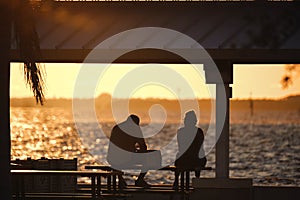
(191, 155)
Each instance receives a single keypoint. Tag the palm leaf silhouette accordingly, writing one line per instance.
(27, 42)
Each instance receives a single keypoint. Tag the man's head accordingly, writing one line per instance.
(134, 118)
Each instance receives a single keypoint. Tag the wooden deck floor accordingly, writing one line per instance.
(165, 192)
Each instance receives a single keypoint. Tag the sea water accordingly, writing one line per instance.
(264, 147)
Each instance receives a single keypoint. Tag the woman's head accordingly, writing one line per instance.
(190, 118)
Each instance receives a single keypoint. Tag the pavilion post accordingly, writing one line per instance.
(222, 78)
(222, 130)
(5, 25)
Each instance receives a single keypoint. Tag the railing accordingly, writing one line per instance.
(19, 176)
(161, 0)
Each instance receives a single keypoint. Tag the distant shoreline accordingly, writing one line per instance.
(104, 102)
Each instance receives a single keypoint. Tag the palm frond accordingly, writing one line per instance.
(292, 71)
(27, 41)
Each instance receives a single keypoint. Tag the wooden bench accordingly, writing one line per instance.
(112, 180)
(183, 173)
(95, 179)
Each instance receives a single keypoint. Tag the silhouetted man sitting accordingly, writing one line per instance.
(126, 140)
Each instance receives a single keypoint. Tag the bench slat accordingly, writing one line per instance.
(184, 182)
(166, 168)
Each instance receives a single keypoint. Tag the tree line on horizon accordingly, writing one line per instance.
(103, 102)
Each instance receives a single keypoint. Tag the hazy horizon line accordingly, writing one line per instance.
(158, 98)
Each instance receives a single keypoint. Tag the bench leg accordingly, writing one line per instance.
(197, 173)
(93, 187)
(115, 183)
(19, 189)
(187, 180)
(109, 183)
(182, 180)
(98, 186)
(176, 181)
(22, 187)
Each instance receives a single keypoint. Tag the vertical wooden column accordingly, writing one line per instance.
(222, 130)
(5, 25)
(222, 76)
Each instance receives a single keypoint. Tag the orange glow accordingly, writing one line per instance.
(262, 81)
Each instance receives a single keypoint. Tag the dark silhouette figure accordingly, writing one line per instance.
(126, 141)
(191, 155)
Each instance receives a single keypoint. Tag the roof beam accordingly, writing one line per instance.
(286, 56)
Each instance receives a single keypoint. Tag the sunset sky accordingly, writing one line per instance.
(259, 81)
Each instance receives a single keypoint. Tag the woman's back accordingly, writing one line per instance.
(190, 140)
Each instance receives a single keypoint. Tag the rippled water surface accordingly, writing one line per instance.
(265, 147)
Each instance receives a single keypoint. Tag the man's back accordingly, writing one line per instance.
(123, 140)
